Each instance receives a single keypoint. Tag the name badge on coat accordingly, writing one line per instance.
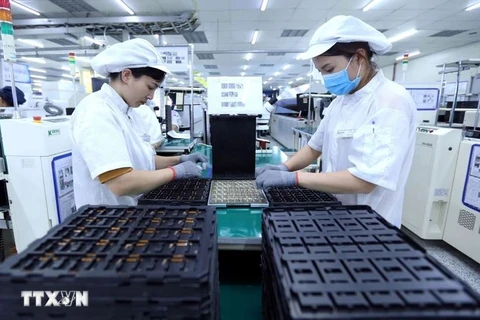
(345, 133)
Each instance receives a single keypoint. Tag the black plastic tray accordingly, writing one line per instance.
(184, 191)
(166, 254)
(298, 196)
(353, 269)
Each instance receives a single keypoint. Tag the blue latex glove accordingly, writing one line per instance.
(279, 167)
(274, 178)
(187, 170)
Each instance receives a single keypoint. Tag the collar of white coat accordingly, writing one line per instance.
(368, 89)
(115, 97)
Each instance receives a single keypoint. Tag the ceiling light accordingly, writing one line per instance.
(413, 54)
(125, 7)
(38, 77)
(92, 40)
(371, 5)
(37, 70)
(264, 5)
(299, 56)
(66, 68)
(265, 82)
(36, 81)
(270, 78)
(473, 7)
(402, 35)
(298, 79)
(248, 56)
(242, 74)
(21, 6)
(164, 42)
(31, 42)
(66, 75)
(275, 88)
(290, 82)
(276, 74)
(255, 35)
(245, 68)
(32, 59)
(181, 82)
(286, 67)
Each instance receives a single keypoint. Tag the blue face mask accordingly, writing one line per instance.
(339, 83)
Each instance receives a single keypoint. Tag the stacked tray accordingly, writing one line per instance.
(294, 196)
(147, 262)
(182, 191)
(347, 262)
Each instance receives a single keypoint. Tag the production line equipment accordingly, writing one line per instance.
(40, 180)
(429, 186)
(462, 228)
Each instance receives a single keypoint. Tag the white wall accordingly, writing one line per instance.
(423, 69)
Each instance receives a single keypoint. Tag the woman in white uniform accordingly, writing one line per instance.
(113, 161)
(152, 126)
(367, 137)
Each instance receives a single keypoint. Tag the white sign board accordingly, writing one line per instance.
(22, 74)
(176, 58)
(235, 95)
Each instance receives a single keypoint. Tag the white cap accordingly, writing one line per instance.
(135, 53)
(346, 29)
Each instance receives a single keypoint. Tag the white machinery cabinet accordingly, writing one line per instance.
(462, 228)
(429, 185)
(40, 180)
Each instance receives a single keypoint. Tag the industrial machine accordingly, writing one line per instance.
(40, 180)
(429, 185)
(462, 227)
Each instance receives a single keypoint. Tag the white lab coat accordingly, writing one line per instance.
(151, 123)
(371, 133)
(106, 135)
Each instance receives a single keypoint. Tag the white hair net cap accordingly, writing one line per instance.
(135, 53)
(346, 29)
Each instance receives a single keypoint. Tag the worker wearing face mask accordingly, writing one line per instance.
(113, 160)
(367, 137)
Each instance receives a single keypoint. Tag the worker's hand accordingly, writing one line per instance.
(274, 178)
(186, 170)
(279, 167)
(195, 158)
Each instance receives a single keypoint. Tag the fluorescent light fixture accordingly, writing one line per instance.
(269, 79)
(33, 59)
(473, 7)
(31, 42)
(21, 6)
(276, 74)
(299, 56)
(66, 68)
(36, 81)
(242, 74)
(290, 82)
(298, 79)
(248, 56)
(92, 40)
(174, 79)
(37, 70)
(275, 88)
(245, 67)
(412, 54)
(164, 42)
(286, 67)
(255, 35)
(66, 75)
(125, 7)
(370, 5)
(264, 5)
(181, 82)
(64, 81)
(38, 77)
(265, 82)
(403, 35)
